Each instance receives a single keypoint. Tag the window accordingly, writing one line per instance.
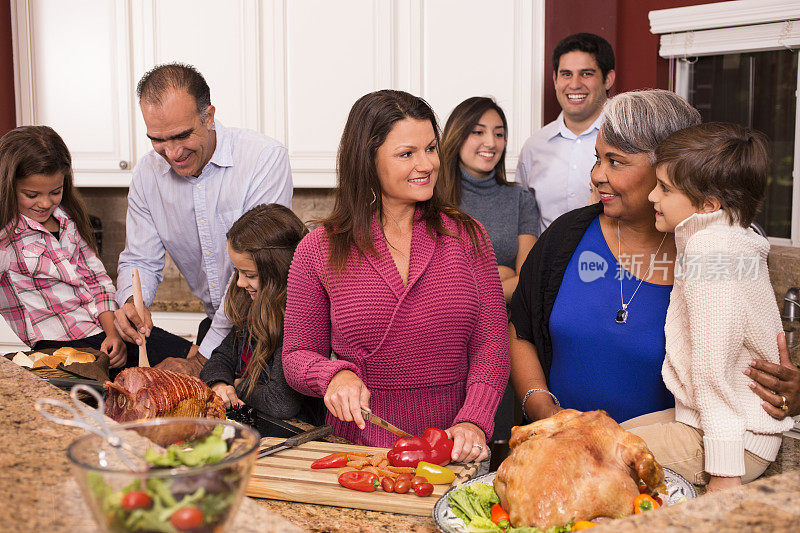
(756, 90)
(738, 62)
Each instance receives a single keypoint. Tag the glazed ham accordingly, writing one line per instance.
(574, 465)
(143, 393)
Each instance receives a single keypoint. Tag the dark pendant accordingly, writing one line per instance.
(622, 316)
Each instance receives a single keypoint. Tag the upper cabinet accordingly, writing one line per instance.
(288, 68)
(72, 72)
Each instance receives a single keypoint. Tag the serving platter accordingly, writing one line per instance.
(678, 489)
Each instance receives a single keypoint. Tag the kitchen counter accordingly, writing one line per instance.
(36, 484)
(42, 496)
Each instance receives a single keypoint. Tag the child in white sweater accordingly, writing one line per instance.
(722, 313)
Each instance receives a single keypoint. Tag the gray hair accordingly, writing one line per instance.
(636, 122)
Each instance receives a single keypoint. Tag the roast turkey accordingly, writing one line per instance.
(574, 466)
(143, 393)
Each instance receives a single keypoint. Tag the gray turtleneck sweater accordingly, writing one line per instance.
(505, 211)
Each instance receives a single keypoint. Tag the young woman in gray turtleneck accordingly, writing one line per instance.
(472, 176)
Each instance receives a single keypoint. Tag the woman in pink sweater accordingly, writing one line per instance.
(402, 287)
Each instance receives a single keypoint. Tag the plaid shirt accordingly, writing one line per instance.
(51, 289)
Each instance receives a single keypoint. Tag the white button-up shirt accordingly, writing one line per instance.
(188, 217)
(555, 164)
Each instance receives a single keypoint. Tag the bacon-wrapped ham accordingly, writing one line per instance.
(143, 393)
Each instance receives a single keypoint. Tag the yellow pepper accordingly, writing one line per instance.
(435, 474)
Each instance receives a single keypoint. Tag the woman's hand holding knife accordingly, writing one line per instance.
(345, 396)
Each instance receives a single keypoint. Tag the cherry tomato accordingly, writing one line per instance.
(136, 499)
(387, 484)
(416, 480)
(423, 489)
(187, 518)
(402, 485)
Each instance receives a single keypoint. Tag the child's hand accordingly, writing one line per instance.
(721, 483)
(228, 395)
(117, 352)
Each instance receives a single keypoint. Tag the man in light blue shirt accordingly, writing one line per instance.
(185, 194)
(555, 162)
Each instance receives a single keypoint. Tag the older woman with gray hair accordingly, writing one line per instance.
(587, 318)
(588, 314)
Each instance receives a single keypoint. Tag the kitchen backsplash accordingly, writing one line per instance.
(110, 204)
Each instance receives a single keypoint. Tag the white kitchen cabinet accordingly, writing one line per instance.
(72, 72)
(288, 68)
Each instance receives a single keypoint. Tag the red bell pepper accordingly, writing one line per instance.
(334, 460)
(441, 446)
(408, 451)
(359, 480)
(434, 447)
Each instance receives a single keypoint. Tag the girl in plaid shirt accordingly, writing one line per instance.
(54, 291)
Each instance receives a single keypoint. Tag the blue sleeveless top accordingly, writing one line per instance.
(598, 363)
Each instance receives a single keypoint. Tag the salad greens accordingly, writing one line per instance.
(473, 504)
(210, 450)
(212, 493)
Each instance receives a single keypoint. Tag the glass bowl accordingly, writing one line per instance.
(198, 498)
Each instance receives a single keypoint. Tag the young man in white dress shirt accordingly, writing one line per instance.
(555, 162)
(185, 194)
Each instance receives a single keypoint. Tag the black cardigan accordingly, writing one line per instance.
(272, 394)
(541, 276)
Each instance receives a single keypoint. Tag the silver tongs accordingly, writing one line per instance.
(91, 419)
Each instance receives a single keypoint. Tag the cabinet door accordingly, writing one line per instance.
(73, 74)
(219, 38)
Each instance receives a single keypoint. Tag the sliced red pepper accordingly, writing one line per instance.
(334, 460)
(500, 517)
(408, 451)
(441, 446)
(359, 480)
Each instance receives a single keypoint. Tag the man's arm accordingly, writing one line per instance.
(220, 328)
(143, 251)
(272, 180)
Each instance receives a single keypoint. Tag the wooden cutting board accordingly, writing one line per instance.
(287, 475)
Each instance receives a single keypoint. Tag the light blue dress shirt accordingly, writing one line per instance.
(188, 218)
(555, 164)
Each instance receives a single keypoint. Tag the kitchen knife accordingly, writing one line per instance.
(316, 433)
(378, 421)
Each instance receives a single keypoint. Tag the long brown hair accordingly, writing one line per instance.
(269, 233)
(459, 126)
(30, 150)
(358, 194)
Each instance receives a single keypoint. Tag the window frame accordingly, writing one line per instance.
(728, 28)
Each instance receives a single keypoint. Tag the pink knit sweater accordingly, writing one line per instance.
(433, 353)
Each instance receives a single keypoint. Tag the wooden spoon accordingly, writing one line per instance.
(138, 303)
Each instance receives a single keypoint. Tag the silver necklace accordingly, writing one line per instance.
(622, 314)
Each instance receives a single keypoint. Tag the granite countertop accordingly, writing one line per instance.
(36, 485)
(37, 479)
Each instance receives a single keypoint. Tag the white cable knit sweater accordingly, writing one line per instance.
(722, 314)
